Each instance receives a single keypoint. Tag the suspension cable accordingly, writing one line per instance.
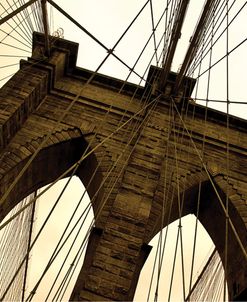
(33, 207)
(203, 147)
(227, 156)
(212, 183)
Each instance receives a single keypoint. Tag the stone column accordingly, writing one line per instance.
(115, 255)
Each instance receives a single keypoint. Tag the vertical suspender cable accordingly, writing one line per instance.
(33, 206)
(227, 151)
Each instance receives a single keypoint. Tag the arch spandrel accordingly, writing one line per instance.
(214, 220)
(65, 146)
(211, 215)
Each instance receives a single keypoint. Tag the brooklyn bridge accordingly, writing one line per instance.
(123, 158)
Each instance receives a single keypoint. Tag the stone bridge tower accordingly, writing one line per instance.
(54, 114)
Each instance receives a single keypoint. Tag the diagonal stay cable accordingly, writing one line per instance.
(44, 58)
(154, 54)
(109, 50)
(55, 253)
(86, 211)
(153, 268)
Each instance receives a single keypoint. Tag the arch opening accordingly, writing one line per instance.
(212, 218)
(162, 275)
(62, 243)
(49, 164)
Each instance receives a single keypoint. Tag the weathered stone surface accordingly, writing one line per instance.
(143, 169)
